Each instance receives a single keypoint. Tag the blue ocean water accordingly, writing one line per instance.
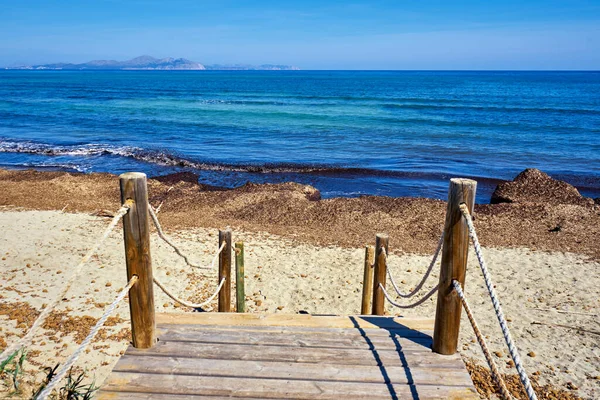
(347, 133)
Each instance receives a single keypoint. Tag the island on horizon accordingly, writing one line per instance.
(149, 63)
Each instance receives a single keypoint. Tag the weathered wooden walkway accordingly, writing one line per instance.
(279, 356)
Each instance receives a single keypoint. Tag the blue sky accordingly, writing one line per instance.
(310, 34)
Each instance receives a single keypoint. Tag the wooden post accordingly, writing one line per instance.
(454, 266)
(381, 242)
(368, 280)
(225, 271)
(240, 292)
(136, 233)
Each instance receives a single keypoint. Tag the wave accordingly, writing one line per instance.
(150, 156)
(51, 150)
(286, 171)
(46, 166)
(164, 158)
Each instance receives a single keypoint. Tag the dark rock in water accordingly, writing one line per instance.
(535, 186)
(597, 200)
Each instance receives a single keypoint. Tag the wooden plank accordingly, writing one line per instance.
(454, 266)
(290, 335)
(273, 388)
(346, 332)
(299, 354)
(106, 395)
(367, 280)
(136, 233)
(279, 356)
(287, 370)
(294, 339)
(301, 320)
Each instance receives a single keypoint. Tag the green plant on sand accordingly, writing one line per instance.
(13, 366)
(73, 389)
(49, 376)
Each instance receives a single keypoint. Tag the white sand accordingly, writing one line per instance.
(320, 280)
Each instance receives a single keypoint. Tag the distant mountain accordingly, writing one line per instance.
(151, 63)
(138, 63)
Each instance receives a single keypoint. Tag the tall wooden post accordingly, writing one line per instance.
(240, 291)
(367, 280)
(381, 243)
(136, 232)
(225, 271)
(454, 266)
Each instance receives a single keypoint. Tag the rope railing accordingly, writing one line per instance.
(178, 251)
(133, 188)
(186, 303)
(419, 285)
(481, 340)
(425, 276)
(413, 305)
(73, 358)
(25, 340)
(496, 303)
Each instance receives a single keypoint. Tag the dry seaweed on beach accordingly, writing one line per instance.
(414, 224)
(484, 383)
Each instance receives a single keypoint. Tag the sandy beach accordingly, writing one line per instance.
(301, 255)
(438, 161)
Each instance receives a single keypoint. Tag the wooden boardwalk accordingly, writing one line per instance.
(285, 356)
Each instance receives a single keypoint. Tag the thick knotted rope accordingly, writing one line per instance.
(186, 303)
(486, 352)
(73, 358)
(164, 237)
(25, 340)
(423, 280)
(496, 303)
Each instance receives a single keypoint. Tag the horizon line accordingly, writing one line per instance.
(294, 71)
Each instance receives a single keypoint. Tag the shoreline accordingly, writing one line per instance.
(332, 179)
(485, 183)
(291, 210)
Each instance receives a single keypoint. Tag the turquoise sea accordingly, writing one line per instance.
(348, 133)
